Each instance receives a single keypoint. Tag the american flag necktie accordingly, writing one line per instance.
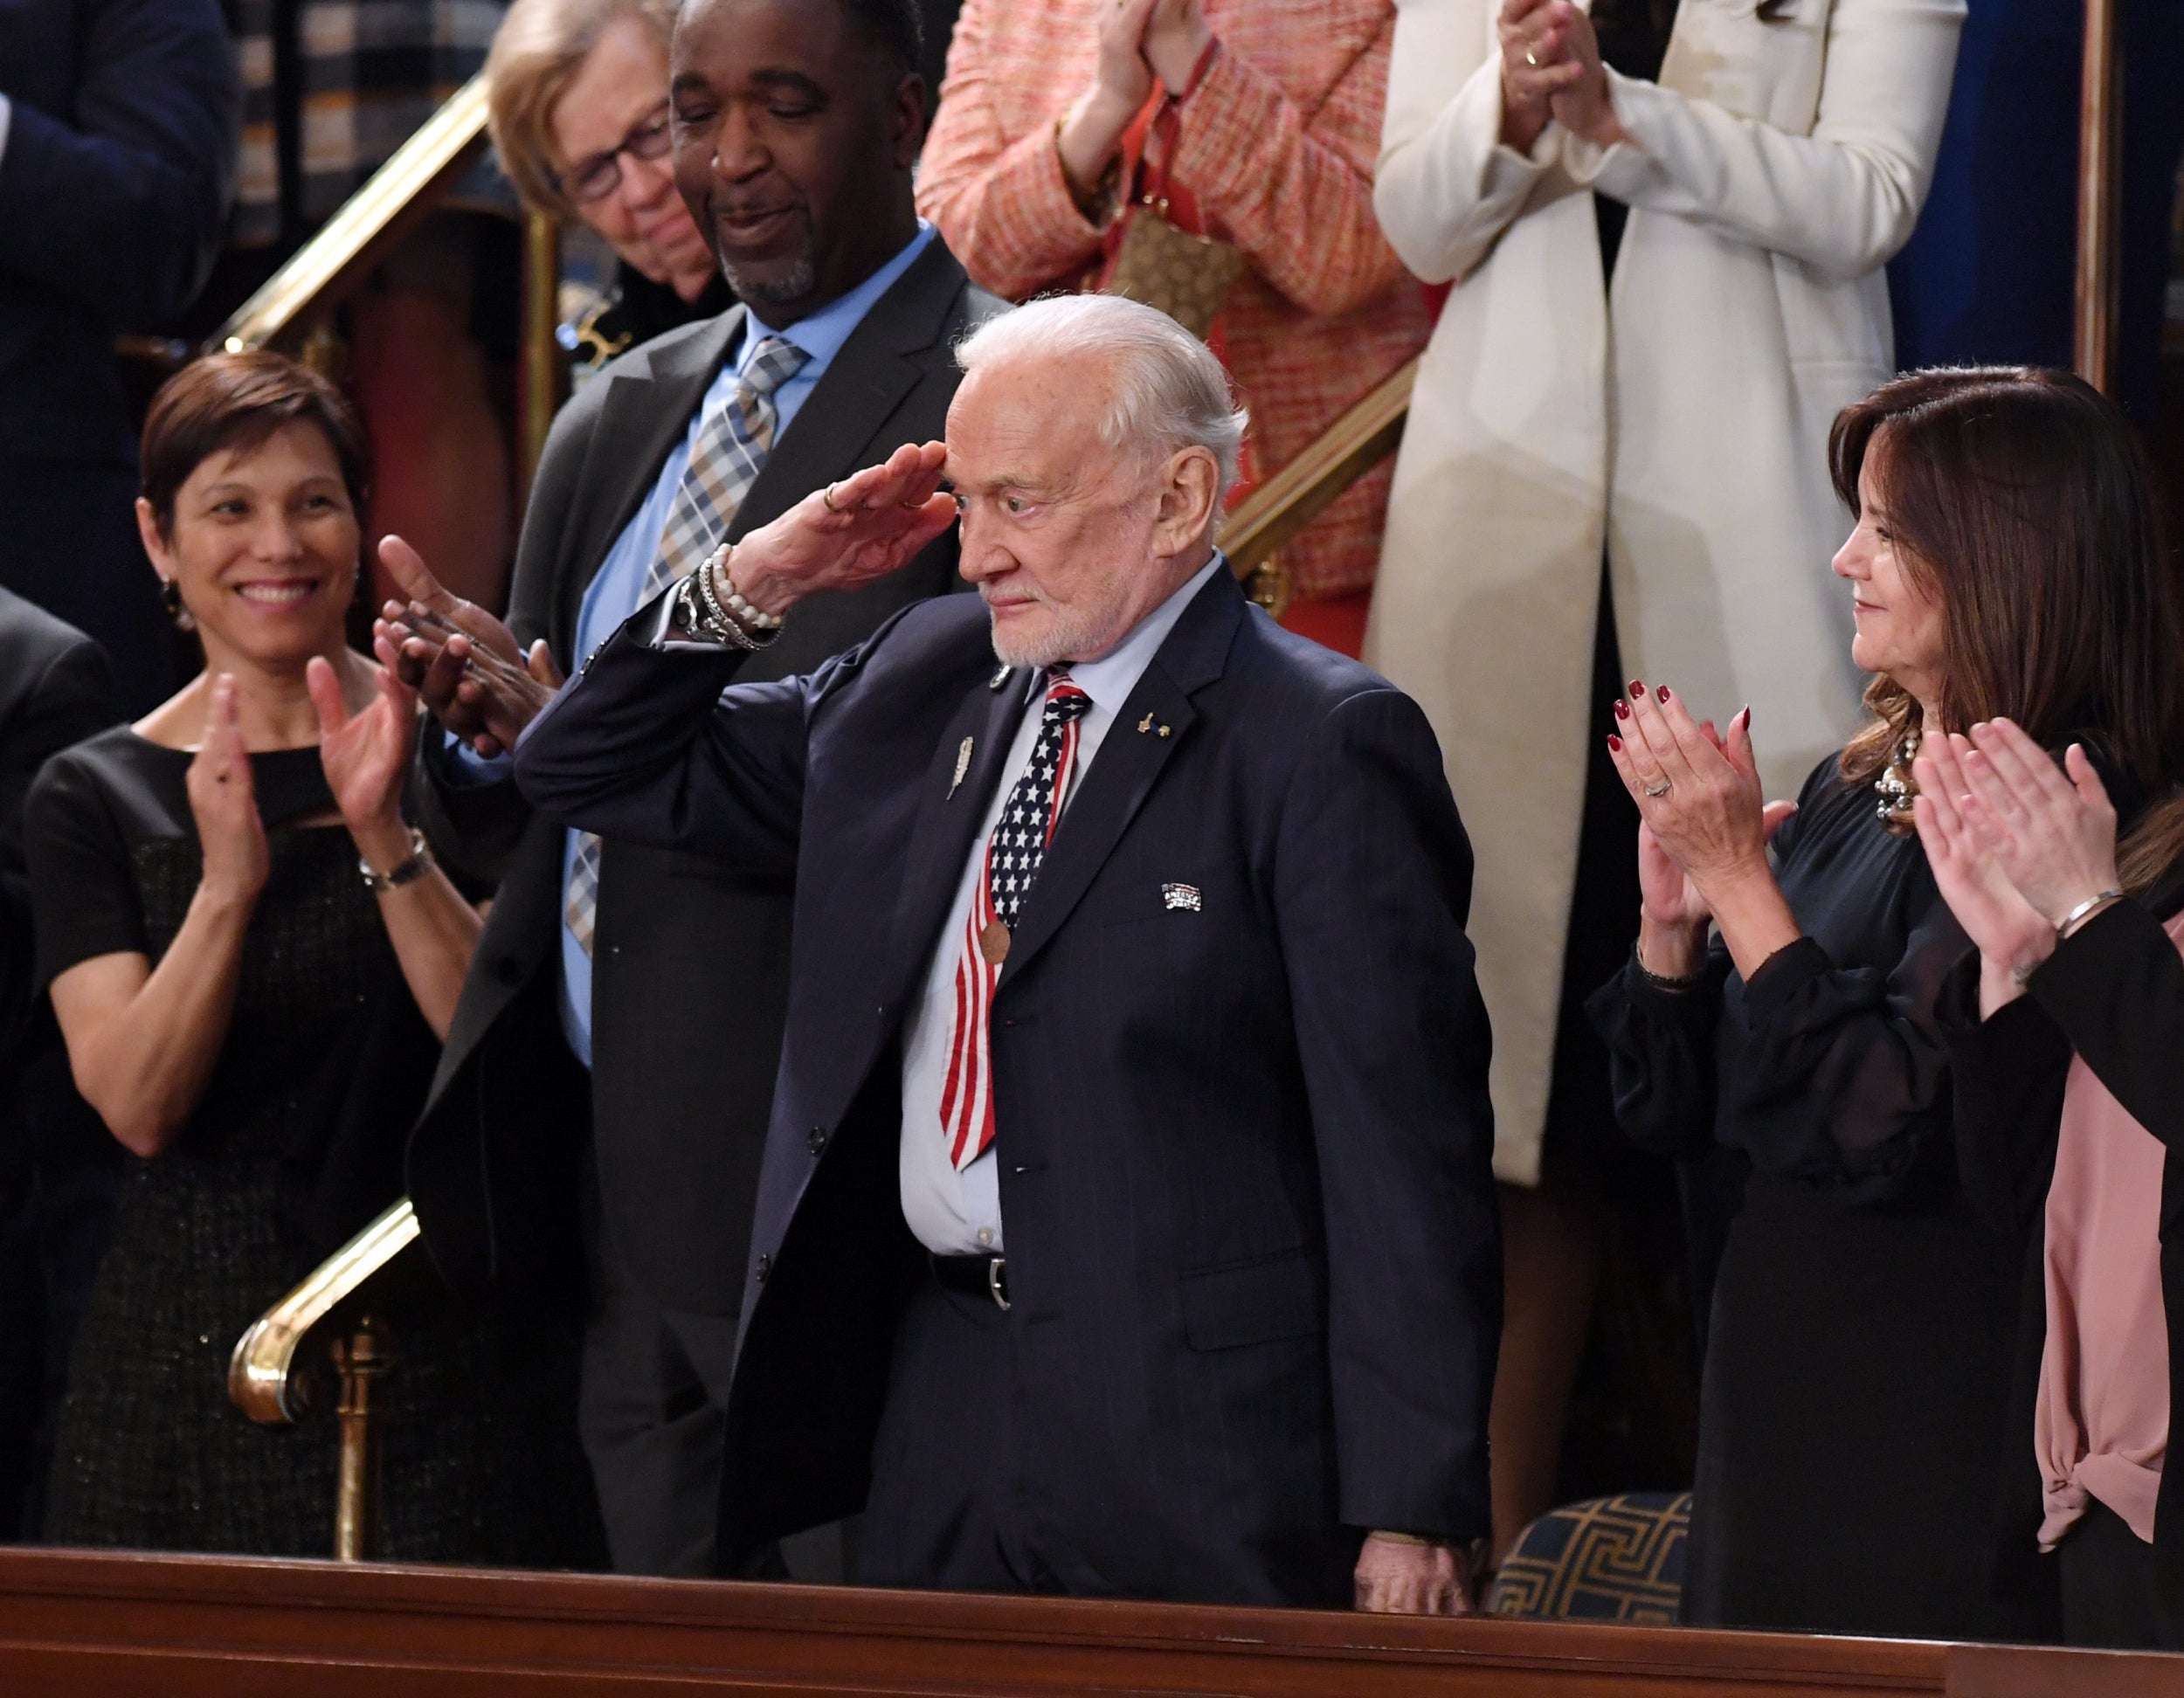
(727, 459)
(1013, 854)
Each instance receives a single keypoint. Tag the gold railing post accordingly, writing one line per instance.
(362, 1359)
(541, 373)
(2100, 137)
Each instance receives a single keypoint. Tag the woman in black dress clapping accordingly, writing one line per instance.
(251, 957)
(1854, 1415)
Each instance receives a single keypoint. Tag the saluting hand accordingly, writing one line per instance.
(848, 534)
(224, 802)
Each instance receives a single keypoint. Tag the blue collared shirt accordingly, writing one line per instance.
(615, 591)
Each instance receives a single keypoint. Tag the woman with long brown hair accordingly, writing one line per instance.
(1852, 1414)
(2067, 1035)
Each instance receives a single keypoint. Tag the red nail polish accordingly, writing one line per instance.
(1637, 688)
(1664, 692)
(1614, 742)
(1622, 709)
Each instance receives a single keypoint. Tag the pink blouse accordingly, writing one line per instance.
(2101, 1423)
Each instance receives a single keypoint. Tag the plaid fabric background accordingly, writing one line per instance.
(373, 71)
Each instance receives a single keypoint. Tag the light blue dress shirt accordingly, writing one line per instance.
(614, 591)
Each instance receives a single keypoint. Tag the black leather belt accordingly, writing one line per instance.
(978, 1276)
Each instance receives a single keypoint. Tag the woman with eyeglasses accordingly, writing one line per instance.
(578, 110)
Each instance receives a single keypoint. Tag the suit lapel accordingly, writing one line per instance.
(644, 415)
(834, 431)
(1129, 763)
(948, 815)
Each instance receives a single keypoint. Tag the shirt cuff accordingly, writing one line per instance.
(466, 769)
(1785, 973)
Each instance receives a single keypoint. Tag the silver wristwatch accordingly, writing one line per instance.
(411, 867)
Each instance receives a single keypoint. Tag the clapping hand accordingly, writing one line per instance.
(2052, 829)
(462, 660)
(224, 802)
(1176, 35)
(2007, 931)
(847, 534)
(366, 755)
(1551, 67)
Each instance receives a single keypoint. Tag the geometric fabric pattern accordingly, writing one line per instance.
(1607, 1559)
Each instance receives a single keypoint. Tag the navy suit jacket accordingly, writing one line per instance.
(119, 168)
(1245, 1149)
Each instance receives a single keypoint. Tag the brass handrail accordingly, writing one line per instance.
(1301, 491)
(369, 223)
(2100, 198)
(262, 1380)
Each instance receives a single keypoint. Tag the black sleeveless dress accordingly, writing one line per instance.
(296, 1142)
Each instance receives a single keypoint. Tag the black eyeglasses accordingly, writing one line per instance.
(600, 175)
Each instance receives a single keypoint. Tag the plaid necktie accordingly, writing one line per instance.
(1013, 855)
(726, 461)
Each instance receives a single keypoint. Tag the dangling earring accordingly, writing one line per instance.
(170, 599)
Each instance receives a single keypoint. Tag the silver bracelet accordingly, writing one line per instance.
(411, 867)
(2063, 926)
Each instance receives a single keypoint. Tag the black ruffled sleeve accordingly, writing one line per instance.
(1661, 1056)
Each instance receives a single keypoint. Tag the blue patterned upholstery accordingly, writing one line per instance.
(1609, 1559)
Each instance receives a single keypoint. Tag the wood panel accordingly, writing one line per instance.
(124, 1625)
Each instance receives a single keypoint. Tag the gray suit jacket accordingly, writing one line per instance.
(690, 964)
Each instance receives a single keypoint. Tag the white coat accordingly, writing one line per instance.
(1681, 418)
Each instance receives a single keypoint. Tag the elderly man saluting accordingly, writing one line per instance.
(1126, 1224)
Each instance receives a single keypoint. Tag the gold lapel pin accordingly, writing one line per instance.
(1145, 725)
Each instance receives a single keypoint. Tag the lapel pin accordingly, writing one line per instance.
(1145, 725)
(1182, 896)
(962, 765)
(1164, 730)
(1000, 676)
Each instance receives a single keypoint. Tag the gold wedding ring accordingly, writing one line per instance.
(826, 496)
(1531, 59)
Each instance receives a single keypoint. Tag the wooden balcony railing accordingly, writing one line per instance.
(126, 1626)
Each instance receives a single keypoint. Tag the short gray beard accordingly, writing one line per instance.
(782, 291)
(1085, 633)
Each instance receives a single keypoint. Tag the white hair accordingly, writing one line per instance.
(1170, 392)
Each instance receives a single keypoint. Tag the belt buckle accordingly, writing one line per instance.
(996, 1283)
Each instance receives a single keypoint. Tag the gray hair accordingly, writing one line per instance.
(1170, 392)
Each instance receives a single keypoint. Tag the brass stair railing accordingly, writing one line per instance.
(276, 1375)
(297, 302)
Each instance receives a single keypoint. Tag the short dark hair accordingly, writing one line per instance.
(226, 402)
(893, 26)
(2019, 498)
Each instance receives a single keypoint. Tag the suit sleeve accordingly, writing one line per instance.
(2009, 1071)
(660, 747)
(122, 207)
(1446, 186)
(1373, 887)
(72, 698)
(1843, 199)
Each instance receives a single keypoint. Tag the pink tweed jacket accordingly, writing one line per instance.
(1278, 142)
